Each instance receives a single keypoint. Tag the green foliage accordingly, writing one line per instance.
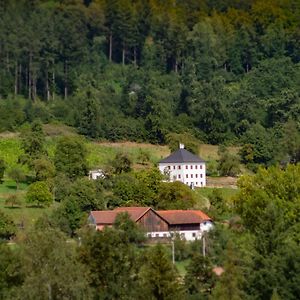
(33, 140)
(112, 263)
(51, 267)
(189, 141)
(129, 228)
(17, 175)
(44, 169)
(158, 277)
(71, 157)
(10, 275)
(38, 193)
(121, 163)
(228, 164)
(7, 227)
(199, 278)
(175, 195)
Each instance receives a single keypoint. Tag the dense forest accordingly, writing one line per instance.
(224, 71)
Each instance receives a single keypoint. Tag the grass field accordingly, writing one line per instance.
(22, 214)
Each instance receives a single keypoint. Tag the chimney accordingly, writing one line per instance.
(181, 146)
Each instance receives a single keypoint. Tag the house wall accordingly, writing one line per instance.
(188, 173)
(189, 235)
(151, 222)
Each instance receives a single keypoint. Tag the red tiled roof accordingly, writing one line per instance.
(108, 217)
(183, 216)
(172, 217)
(134, 212)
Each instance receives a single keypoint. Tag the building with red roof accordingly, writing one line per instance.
(190, 224)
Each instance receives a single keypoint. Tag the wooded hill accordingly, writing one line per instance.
(223, 71)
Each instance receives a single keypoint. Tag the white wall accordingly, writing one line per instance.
(187, 173)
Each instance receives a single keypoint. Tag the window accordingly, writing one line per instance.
(191, 167)
(174, 177)
(174, 167)
(201, 183)
(196, 175)
(201, 175)
(149, 235)
(169, 167)
(187, 176)
(191, 175)
(156, 235)
(179, 176)
(187, 183)
(179, 167)
(200, 166)
(196, 167)
(165, 235)
(194, 234)
(186, 166)
(196, 183)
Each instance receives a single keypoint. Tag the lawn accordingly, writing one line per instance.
(202, 195)
(22, 214)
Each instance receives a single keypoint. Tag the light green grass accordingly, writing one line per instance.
(10, 150)
(182, 266)
(202, 195)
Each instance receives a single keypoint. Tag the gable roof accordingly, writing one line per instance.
(109, 216)
(182, 156)
(174, 217)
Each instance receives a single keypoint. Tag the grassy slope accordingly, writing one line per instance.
(99, 155)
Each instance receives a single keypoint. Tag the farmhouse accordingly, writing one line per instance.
(184, 166)
(190, 224)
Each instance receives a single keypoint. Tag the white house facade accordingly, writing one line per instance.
(184, 166)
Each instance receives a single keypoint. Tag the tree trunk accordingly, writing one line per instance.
(176, 66)
(110, 46)
(247, 67)
(16, 78)
(66, 80)
(47, 84)
(53, 85)
(123, 55)
(29, 77)
(134, 56)
(20, 77)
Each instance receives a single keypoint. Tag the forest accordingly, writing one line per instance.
(226, 72)
(216, 73)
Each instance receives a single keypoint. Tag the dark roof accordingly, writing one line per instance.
(176, 217)
(182, 156)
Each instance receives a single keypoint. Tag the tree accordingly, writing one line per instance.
(189, 141)
(44, 169)
(228, 164)
(175, 195)
(158, 277)
(7, 227)
(229, 287)
(13, 200)
(17, 175)
(10, 275)
(2, 169)
(33, 141)
(38, 194)
(199, 278)
(112, 262)
(51, 267)
(122, 163)
(71, 157)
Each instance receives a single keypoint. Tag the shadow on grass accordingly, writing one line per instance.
(12, 207)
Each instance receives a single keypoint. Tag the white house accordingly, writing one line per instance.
(184, 166)
(96, 174)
